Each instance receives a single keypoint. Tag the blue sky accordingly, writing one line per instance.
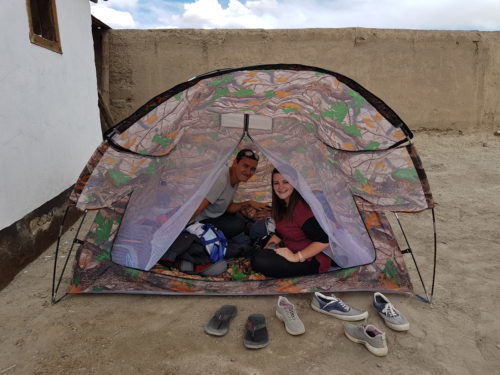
(290, 14)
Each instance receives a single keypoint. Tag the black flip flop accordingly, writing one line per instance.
(218, 325)
(256, 336)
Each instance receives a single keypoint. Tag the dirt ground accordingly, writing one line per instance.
(129, 334)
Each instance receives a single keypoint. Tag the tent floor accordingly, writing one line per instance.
(239, 269)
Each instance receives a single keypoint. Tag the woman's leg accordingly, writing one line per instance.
(269, 263)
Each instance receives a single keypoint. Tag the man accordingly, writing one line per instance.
(218, 207)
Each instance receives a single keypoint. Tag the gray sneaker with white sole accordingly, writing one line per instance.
(370, 336)
(286, 312)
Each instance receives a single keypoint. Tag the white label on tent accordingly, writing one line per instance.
(237, 120)
(260, 122)
(232, 120)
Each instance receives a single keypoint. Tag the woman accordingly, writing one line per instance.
(303, 238)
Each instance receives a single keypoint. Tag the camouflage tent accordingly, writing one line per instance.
(345, 150)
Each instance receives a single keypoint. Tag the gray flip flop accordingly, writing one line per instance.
(256, 336)
(218, 325)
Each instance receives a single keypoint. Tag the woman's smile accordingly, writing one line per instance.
(282, 187)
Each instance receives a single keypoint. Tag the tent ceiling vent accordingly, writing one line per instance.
(237, 120)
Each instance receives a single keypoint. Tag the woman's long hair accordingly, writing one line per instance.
(280, 210)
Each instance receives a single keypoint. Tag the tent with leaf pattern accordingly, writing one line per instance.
(346, 152)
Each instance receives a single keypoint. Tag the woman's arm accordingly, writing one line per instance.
(273, 242)
(309, 251)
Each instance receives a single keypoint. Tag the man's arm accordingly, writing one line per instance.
(235, 207)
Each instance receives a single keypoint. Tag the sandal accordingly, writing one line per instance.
(256, 336)
(218, 325)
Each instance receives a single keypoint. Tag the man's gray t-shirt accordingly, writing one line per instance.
(220, 197)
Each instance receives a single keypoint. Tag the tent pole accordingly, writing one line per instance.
(57, 253)
(435, 252)
(246, 125)
(413, 257)
(56, 289)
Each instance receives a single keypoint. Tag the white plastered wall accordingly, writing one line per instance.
(49, 119)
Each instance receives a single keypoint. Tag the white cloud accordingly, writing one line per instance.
(122, 4)
(210, 14)
(272, 14)
(114, 18)
(422, 14)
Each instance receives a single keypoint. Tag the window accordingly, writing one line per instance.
(44, 31)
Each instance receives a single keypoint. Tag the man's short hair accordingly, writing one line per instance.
(247, 153)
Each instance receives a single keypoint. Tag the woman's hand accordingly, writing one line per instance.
(273, 242)
(286, 253)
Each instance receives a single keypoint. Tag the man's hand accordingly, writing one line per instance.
(258, 205)
(262, 214)
(262, 210)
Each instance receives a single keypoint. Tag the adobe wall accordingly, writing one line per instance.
(48, 108)
(435, 80)
(50, 126)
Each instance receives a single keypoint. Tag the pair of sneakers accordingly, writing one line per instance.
(330, 305)
(367, 334)
(370, 336)
(334, 306)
